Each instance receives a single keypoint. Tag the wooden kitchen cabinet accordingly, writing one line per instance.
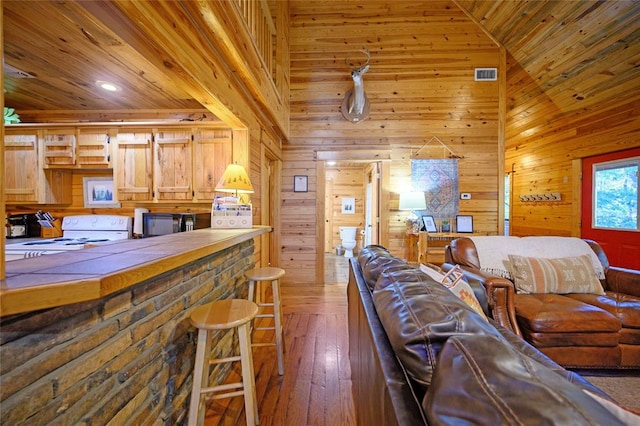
(173, 165)
(59, 148)
(93, 148)
(212, 152)
(133, 172)
(25, 181)
(170, 164)
(87, 148)
(150, 164)
(21, 181)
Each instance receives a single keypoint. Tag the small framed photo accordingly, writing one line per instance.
(348, 206)
(464, 223)
(429, 224)
(300, 183)
(98, 192)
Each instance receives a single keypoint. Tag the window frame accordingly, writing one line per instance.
(609, 165)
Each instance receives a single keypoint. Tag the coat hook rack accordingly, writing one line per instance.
(452, 153)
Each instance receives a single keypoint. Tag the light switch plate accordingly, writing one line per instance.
(465, 196)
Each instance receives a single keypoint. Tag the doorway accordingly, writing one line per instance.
(351, 182)
(270, 181)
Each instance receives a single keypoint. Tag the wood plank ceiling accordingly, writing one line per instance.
(566, 47)
(57, 51)
(580, 54)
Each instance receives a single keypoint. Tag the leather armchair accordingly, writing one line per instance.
(559, 324)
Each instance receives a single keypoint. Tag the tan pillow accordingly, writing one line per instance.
(560, 276)
(454, 281)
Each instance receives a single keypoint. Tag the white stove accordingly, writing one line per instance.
(77, 232)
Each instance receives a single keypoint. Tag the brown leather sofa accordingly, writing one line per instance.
(420, 355)
(575, 330)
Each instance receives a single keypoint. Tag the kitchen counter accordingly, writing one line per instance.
(92, 273)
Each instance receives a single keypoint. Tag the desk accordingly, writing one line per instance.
(431, 245)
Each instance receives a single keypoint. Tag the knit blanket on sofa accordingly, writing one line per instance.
(493, 251)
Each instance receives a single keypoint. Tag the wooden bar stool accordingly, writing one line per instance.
(222, 315)
(272, 274)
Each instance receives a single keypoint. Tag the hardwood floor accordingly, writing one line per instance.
(316, 386)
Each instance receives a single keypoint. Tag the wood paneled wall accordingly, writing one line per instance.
(420, 84)
(542, 146)
(301, 219)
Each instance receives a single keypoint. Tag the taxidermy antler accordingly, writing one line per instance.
(355, 106)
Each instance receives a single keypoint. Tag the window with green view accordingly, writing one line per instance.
(615, 195)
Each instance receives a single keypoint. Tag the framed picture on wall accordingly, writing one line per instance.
(464, 223)
(429, 223)
(98, 192)
(300, 183)
(348, 206)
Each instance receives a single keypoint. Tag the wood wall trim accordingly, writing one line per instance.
(355, 155)
(576, 197)
(320, 223)
(502, 125)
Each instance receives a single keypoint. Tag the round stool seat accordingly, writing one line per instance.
(268, 273)
(223, 314)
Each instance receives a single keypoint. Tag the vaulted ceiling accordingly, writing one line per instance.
(580, 53)
(571, 49)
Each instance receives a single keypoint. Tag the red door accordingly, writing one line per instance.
(621, 246)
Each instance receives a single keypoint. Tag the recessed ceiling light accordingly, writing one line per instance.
(108, 86)
(331, 163)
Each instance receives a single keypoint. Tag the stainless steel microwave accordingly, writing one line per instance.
(154, 224)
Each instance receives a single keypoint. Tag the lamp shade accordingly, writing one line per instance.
(235, 179)
(412, 201)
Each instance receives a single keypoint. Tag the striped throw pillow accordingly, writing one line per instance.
(560, 276)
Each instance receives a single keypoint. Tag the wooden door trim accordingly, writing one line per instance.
(320, 226)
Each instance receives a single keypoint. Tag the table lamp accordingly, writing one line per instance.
(412, 201)
(235, 180)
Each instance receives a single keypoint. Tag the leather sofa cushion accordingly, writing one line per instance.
(560, 314)
(624, 306)
(630, 336)
(419, 315)
(503, 386)
(374, 260)
(369, 252)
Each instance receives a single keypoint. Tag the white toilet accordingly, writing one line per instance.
(348, 237)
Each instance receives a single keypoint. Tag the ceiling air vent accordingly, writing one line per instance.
(486, 74)
(16, 73)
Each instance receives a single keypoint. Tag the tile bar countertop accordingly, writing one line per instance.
(89, 274)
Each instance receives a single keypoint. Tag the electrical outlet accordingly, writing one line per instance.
(465, 196)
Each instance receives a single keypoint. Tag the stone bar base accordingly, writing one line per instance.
(126, 358)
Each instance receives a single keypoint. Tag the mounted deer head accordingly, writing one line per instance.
(355, 106)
